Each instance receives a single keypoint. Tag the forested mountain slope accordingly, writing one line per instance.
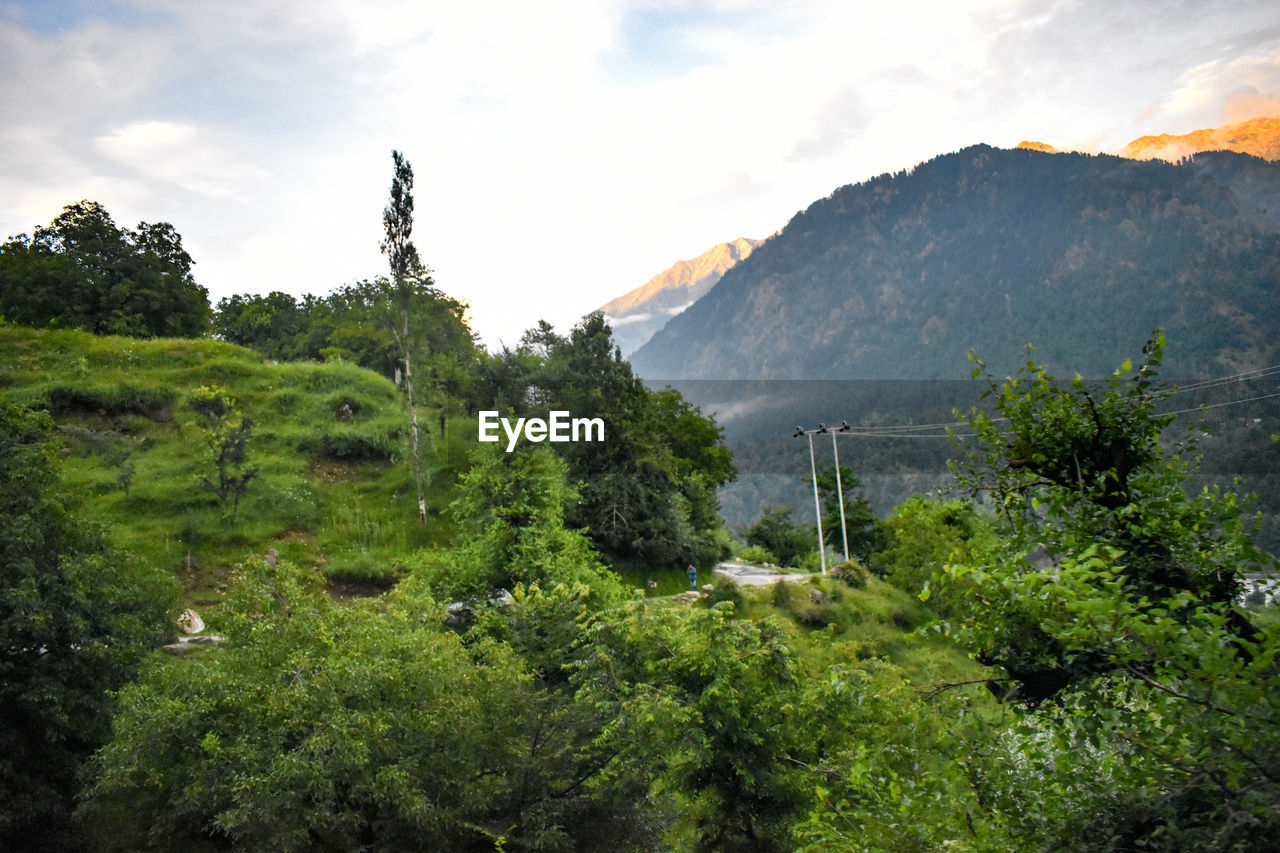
(988, 250)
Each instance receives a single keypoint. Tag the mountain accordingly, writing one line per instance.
(988, 250)
(636, 315)
(1032, 145)
(1259, 137)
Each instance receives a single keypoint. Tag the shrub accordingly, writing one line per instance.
(726, 590)
(756, 554)
(153, 403)
(852, 573)
(352, 446)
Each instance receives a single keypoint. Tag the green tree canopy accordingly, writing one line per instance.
(74, 620)
(86, 272)
(777, 532)
(648, 491)
(859, 521)
(511, 508)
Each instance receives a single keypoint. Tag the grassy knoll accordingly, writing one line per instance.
(332, 490)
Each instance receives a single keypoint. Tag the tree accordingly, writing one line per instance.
(922, 536)
(858, 520)
(1151, 704)
(397, 220)
(319, 726)
(511, 509)
(648, 492)
(1074, 468)
(75, 618)
(272, 324)
(776, 532)
(228, 442)
(713, 708)
(324, 725)
(84, 271)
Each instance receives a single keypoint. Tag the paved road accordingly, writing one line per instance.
(745, 575)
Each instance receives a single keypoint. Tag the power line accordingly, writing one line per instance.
(1220, 405)
(918, 430)
(1260, 373)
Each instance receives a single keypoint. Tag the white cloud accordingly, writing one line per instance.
(618, 322)
(184, 155)
(564, 151)
(1247, 102)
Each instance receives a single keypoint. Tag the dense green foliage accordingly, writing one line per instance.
(549, 725)
(84, 271)
(355, 323)
(922, 536)
(648, 491)
(511, 513)
(783, 539)
(1110, 606)
(75, 617)
(1075, 469)
(323, 726)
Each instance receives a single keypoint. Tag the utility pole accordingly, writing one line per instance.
(844, 533)
(817, 507)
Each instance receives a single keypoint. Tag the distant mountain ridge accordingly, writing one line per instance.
(990, 249)
(637, 314)
(1259, 137)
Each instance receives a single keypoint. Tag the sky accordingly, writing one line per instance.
(565, 152)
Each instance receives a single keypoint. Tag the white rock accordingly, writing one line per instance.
(190, 622)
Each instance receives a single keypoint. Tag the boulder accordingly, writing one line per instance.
(190, 622)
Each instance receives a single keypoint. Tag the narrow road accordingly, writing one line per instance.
(745, 575)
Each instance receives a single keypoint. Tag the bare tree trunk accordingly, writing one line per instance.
(413, 418)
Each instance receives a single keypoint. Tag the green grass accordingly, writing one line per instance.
(844, 623)
(331, 492)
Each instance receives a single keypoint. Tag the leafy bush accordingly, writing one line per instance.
(153, 403)
(852, 573)
(355, 444)
(922, 536)
(321, 724)
(757, 555)
(1147, 696)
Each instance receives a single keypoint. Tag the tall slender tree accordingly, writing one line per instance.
(397, 220)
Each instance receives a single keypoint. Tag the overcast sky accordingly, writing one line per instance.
(564, 152)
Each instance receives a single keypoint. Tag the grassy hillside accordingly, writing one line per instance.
(333, 490)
